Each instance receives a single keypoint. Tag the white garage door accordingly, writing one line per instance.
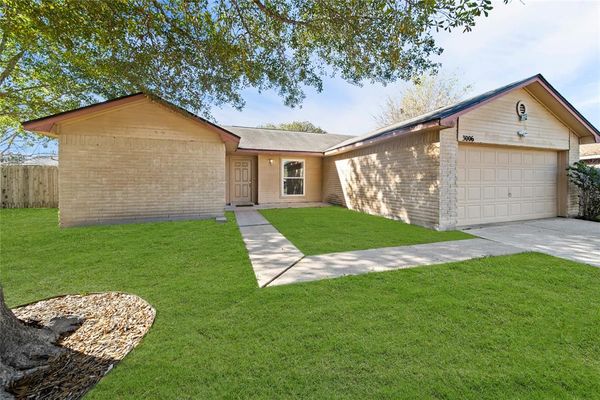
(497, 184)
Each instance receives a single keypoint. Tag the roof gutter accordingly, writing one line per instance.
(424, 126)
(282, 152)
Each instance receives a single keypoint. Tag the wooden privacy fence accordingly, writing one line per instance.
(28, 186)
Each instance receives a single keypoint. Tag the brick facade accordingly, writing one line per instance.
(448, 190)
(111, 175)
(398, 179)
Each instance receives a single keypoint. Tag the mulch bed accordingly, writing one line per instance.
(114, 323)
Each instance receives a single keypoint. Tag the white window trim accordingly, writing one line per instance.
(303, 177)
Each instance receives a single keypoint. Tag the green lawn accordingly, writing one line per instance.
(524, 326)
(332, 229)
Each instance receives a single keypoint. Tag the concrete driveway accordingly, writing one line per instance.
(574, 239)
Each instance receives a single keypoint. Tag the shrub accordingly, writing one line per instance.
(587, 179)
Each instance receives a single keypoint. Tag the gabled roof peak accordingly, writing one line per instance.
(445, 116)
(45, 125)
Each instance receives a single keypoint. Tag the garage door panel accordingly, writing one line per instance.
(515, 192)
(489, 157)
(515, 209)
(461, 194)
(474, 174)
(501, 192)
(489, 211)
(498, 184)
(488, 174)
(515, 158)
(526, 208)
(474, 211)
(502, 174)
(515, 176)
(502, 157)
(539, 159)
(544, 191)
(527, 175)
(461, 213)
(489, 192)
(501, 210)
(474, 157)
(462, 156)
(474, 193)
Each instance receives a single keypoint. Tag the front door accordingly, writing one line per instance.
(242, 182)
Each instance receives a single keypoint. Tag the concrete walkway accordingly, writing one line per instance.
(276, 261)
(573, 239)
(334, 265)
(269, 251)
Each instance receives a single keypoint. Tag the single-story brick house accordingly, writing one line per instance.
(499, 156)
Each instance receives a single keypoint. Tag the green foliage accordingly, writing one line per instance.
(425, 93)
(295, 126)
(587, 179)
(517, 327)
(60, 54)
(334, 229)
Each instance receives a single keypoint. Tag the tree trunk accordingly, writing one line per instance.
(25, 349)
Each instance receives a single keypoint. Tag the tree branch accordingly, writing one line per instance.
(10, 66)
(276, 15)
(3, 42)
(8, 142)
(8, 92)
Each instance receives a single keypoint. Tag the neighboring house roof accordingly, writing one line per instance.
(446, 116)
(45, 125)
(590, 153)
(42, 160)
(37, 159)
(286, 141)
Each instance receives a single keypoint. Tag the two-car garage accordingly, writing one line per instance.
(500, 183)
(512, 153)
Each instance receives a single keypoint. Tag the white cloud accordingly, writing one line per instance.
(554, 38)
(560, 39)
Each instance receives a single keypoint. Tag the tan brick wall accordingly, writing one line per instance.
(448, 189)
(397, 179)
(270, 179)
(497, 123)
(332, 186)
(143, 162)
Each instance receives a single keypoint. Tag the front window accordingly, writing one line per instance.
(293, 177)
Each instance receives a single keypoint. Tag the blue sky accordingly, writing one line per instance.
(560, 39)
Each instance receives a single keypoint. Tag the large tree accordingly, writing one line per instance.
(424, 94)
(25, 349)
(60, 54)
(296, 126)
